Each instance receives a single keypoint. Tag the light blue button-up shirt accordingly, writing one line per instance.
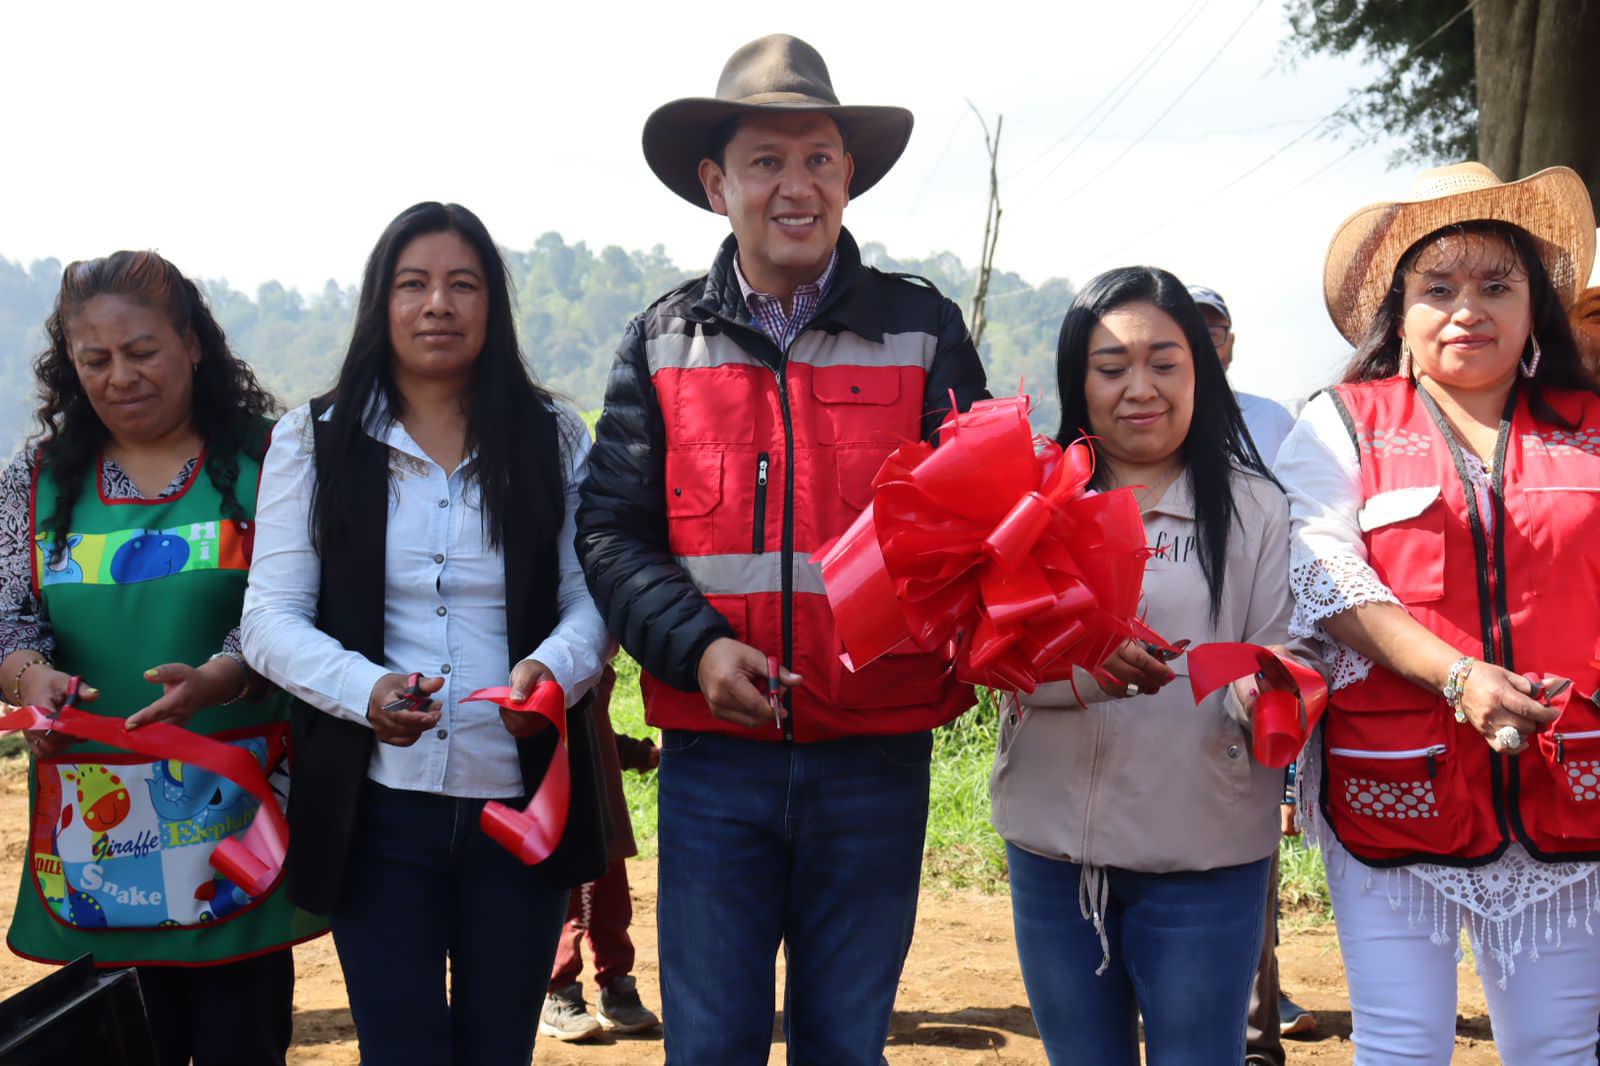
(444, 611)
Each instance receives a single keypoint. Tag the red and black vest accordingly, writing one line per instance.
(1517, 586)
(770, 455)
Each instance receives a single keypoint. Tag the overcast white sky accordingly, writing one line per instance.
(276, 140)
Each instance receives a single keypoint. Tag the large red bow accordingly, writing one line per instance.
(533, 833)
(254, 861)
(990, 542)
(1290, 704)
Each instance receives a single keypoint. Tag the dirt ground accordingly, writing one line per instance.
(961, 999)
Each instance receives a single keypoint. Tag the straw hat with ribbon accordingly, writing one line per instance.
(776, 73)
(1553, 206)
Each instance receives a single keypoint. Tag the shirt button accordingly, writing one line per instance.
(438, 557)
(444, 503)
(1233, 751)
(441, 611)
(441, 734)
(445, 669)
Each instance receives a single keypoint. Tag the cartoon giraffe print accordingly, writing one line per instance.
(102, 798)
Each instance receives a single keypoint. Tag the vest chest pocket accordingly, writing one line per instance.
(1404, 531)
(694, 492)
(860, 404)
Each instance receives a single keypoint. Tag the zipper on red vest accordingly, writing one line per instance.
(763, 461)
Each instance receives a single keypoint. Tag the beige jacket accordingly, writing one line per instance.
(1155, 783)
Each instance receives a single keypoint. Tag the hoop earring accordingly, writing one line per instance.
(1404, 370)
(1530, 367)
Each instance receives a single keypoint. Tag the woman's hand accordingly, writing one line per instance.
(187, 689)
(1134, 671)
(525, 677)
(45, 686)
(1494, 698)
(402, 727)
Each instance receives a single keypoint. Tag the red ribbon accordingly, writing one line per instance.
(1292, 698)
(532, 834)
(252, 862)
(991, 543)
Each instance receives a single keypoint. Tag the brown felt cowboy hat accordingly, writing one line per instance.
(1553, 206)
(775, 73)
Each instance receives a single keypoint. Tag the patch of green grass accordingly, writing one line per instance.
(963, 850)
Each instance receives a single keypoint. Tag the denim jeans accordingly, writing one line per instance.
(814, 846)
(427, 885)
(1184, 948)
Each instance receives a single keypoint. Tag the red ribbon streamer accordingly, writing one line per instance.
(1292, 698)
(253, 862)
(990, 543)
(532, 834)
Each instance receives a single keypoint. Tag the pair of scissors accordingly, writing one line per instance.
(1166, 655)
(413, 699)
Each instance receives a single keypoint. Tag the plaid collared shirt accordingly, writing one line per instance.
(768, 310)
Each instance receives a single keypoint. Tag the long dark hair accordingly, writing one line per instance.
(506, 409)
(1560, 366)
(229, 407)
(1218, 440)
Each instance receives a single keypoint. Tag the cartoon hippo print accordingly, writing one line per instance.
(61, 568)
(151, 555)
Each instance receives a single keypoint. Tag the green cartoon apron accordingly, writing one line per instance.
(119, 844)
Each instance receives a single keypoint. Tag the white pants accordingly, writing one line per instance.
(1403, 985)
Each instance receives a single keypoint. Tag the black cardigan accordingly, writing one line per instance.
(330, 755)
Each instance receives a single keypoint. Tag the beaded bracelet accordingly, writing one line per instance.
(16, 682)
(1455, 685)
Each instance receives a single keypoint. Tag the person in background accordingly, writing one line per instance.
(601, 910)
(1273, 1015)
(745, 417)
(1267, 420)
(125, 532)
(1139, 829)
(418, 520)
(1586, 328)
(1445, 497)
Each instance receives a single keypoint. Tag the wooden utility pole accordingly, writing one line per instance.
(991, 227)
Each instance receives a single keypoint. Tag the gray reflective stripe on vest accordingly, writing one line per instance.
(685, 351)
(737, 575)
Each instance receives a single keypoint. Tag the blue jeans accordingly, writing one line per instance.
(427, 885)
(814, 846)
(1184, 948)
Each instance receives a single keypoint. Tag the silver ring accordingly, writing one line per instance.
(1131, 690)
(1509, 738)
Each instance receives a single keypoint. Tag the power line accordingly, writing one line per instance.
(1137, 73)
(1208, 198)
(1182, 95)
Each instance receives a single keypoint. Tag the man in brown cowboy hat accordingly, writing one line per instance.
(745, 417)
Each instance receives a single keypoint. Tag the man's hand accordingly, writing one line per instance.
(524, 679)
(1287, 820)
(186, 689)
(402, 728)
(1134, 671)
(733, 679)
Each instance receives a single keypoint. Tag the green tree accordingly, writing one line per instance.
(1508, 82)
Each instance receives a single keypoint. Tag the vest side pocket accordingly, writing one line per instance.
(1393, 785)
(1563, 789)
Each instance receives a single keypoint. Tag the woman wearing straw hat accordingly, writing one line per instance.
(1443, 499)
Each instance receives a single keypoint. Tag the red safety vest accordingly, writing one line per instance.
(765, 466)
(1403, 781)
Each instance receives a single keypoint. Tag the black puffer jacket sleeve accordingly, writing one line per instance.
(956, 367)
(648, 602)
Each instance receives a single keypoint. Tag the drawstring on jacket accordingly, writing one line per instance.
(1094, 884)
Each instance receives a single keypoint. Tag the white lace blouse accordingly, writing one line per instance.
(1328, 574)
